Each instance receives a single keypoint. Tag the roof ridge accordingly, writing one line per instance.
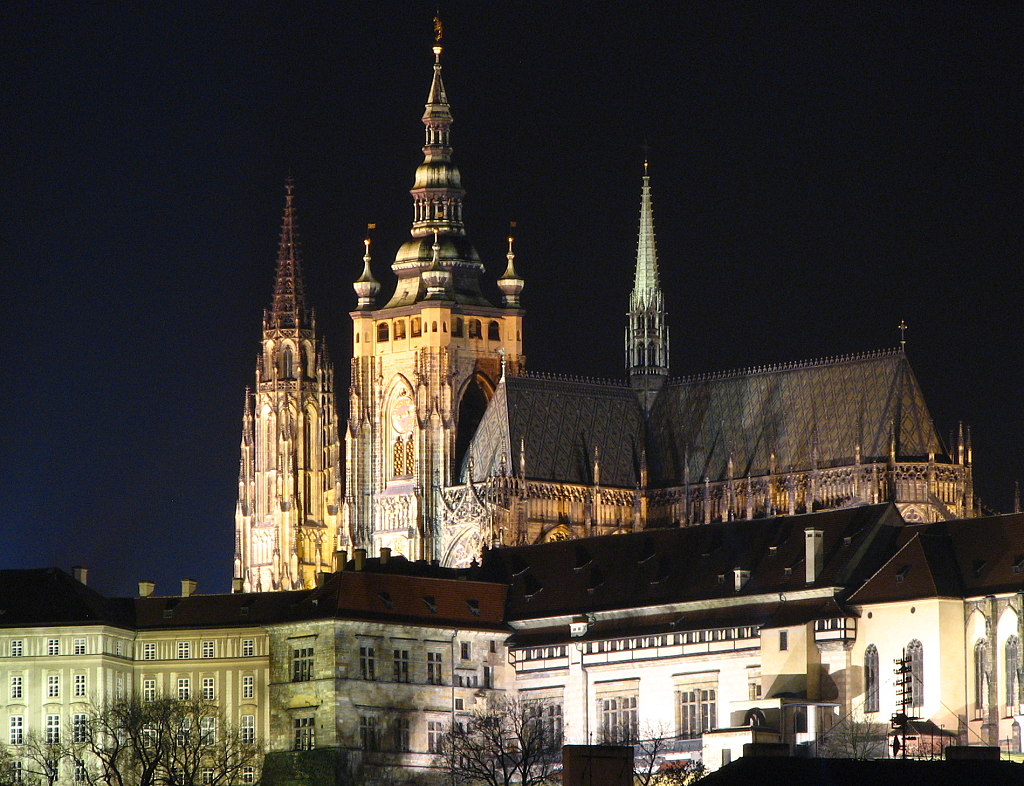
(796, 365)
(548, 377)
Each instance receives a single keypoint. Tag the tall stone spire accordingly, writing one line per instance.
(646, 331)
(289, 306)
(286, 521)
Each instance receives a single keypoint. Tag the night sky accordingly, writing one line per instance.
(819, 173)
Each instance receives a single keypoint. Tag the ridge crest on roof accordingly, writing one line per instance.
(547, 377)
(796, 365)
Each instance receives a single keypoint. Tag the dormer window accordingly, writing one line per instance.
(901, 574)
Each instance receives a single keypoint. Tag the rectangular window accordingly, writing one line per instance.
(402, 741)
(149, 690)
(17, 687)
(619, 720)
(120, 686)
(53, 729)
(149, 651)
(207, 730)
(248, 648)
(207, 649)
(79, 646)
(368, 662)
(435, 732)
(248, 775)
(783, 640)
(119, 648)
(184, 650)
(302, 665)
(549, 714)
(184, 686)
(208, 691)
(494, 646)
(248, 686)
(434, 662)
(206, 775)
(465, 650)
(17, 730)
(368, 733)
(697, 710)
(79, 732)
(184, 732)
(53, 686)
(488, 677)
(305, 733)
(80, 775)
(401, 665)
(53, 647)
(79, 685)
(17, 648)
(248, 729)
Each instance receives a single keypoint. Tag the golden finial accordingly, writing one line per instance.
(902, 328)
(437, 29)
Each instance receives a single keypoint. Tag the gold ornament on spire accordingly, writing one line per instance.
(437, 29)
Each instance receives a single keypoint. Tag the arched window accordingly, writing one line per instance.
(915, 651)
(457, 327)
(474, 328)
(871, 679)
(286, 363)
(493, 332)
(416, 331)
(1013, 692)
(382, 331)
(980, 678)
(433, 327)
(399, 329)
(408, 455)
(1015, 738)
(398, 458)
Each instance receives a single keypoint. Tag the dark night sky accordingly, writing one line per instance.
(820, 172)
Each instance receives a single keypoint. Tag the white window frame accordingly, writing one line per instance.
(78, 646)
(184, 650)
(207, 650)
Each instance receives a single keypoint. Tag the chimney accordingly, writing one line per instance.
(78, 573)
(188, 587)
(357, 557)
(814, 553)
(340, 558)
(236, 585)
(740, 577)
(146, 588)
(385, 555)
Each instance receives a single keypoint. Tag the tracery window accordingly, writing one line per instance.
(871, 679)
(980, 679)
(1013, 692)
(915, 651)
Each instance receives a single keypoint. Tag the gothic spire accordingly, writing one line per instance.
(289, 308)
(646, 331)
(646, 280)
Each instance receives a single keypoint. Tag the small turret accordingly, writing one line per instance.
(437, 279)
(366, 286)
(510, 283)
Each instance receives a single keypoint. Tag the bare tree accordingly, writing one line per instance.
(42, 757)
(652, 768)
(854, 737)
(506, 743)
(8, 774)
(165, 741)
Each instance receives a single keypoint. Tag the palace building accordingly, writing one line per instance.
(451, 447)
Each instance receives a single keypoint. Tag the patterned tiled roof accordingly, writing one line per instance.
(559, 423)
(829, 407)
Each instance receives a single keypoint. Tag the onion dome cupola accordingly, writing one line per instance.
(510, 284)
(366, 286)
(437, 196)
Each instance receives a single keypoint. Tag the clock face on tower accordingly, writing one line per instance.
(402, 416)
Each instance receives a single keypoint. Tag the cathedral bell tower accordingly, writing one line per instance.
(425, 364)
(289, 485)
(646, 331)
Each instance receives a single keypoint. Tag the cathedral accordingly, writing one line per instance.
(451, 448)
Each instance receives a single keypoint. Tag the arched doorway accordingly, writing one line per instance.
(471, 411)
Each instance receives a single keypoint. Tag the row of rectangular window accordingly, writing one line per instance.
(52, 686)
(400, 667)
(208, 688)
(184, 648)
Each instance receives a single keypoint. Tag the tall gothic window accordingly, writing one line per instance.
(1013, 691)
(980, 678)
(871, 679)
(286, 363)
(408, 455)
(398, 458)
(915, 651)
